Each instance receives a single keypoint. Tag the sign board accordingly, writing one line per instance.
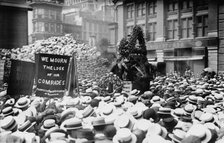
(127, 86)
(21, 78)
(51, 74)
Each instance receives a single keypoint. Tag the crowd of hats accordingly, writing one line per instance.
(175, 109)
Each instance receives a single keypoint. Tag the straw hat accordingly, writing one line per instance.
(157, 129)
(155, 99)
(124, 135)
(200, 131)
(142, 124)
(164, 111)
(88, 111)
(9, 124)
(72, 124)
(7, 111)
(10, 102)
(124, 121)
(48, 123)
(134, 92)
(26, 126)
(22, 103)
(107, 110)
(178, 135)
(207, 117)
(135, 112)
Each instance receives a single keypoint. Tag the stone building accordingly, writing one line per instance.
(182, 34)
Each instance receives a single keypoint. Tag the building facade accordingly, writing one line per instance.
(181, 33)
(13, 23)
(94, 18)
(47, 21)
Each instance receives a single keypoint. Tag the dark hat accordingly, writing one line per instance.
(85, 134)
(169, 122)
(98, 121)
(191, 139)
(187, 119)
(110, 131)
(94, 103)
(139, 134)
(150, 113)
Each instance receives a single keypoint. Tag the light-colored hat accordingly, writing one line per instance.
(164, 111)
(142, 124)
(157, 129)
(9, 124)
(10, 102)
(124, 135)
(88, 111)
(107, 110)
(26, 126)
(134, 92)
(200, 131)
(7, 111)
(22, 103)
(48, 123)
(178, 135)
(72, 124)
(155, 99)
(207, 117)
(124, 121)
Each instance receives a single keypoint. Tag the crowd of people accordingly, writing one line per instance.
(176, 109)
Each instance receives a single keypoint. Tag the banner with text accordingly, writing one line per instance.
(51, 74)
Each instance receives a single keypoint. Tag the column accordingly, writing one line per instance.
(161, 25)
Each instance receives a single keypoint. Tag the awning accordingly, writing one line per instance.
(184, 58)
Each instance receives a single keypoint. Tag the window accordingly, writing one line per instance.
(152, 8)
(172, 5)
(187, 27)
(52, 28)
(172, 29)
(131, 10)
(46, 27)
(46, 13)
(58, 28)
(52, 14)
(40, 13)
(39, 27)
(152, 31)
(186, 4)
(202, 25)
(58, 15)
(141, 9)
